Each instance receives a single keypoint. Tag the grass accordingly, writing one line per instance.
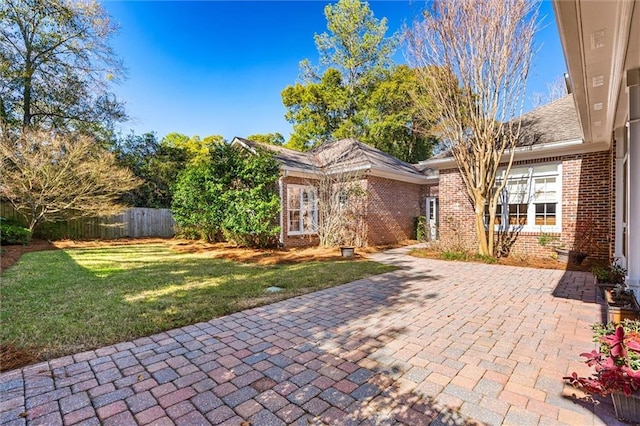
(65, 301)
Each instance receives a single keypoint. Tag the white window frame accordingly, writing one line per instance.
(531, 199)
(300, 189)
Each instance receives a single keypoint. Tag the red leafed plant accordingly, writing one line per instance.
(613, 366)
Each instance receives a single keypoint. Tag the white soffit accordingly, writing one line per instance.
(600, 41)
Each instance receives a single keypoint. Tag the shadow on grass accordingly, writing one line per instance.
(339, 334)
(60, 302)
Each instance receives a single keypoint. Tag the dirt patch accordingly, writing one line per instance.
(267, 256)
(11, 254)
(12, 357)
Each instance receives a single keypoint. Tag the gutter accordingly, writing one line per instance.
(523, 153)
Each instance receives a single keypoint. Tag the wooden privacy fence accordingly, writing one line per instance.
(132, 223)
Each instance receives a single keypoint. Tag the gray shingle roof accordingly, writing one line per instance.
(341, 154)
(554, 122)
(287, 157)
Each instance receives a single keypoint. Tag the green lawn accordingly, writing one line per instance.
(66, 301)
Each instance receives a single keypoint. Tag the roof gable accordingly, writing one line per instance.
(341, 155)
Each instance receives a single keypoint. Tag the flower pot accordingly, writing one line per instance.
(347, 251)
(618, 310)
(566, 256)
(627, 407)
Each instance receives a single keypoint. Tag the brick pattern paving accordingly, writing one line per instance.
(433, 343)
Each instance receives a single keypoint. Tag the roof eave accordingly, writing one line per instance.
(524, 153)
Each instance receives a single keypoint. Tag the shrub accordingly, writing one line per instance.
(233, 194)
(421, 228)
(13, 233)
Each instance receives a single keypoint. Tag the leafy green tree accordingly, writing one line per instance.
(356, 45)
(354, 55)
(197, 149)
(316, 110)
(268, 138)
(356, 91)
(156, 164)
(395, 123)
(234, 195)
(56, 65)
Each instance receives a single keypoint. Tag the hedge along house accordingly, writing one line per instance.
(559, 187)
(601, 43)
(394, 192)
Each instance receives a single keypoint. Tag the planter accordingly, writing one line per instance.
(347, 251)
(604, 286)
(621, 308)
(627, 407)
(566, 256)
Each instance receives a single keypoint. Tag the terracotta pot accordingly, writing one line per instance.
(575, 257)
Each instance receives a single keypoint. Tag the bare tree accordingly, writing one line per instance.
(341, 206)
(473, 59)
(555, 90)
(48, 177)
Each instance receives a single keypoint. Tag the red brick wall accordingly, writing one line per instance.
(391, 209)
(586, 208)
(456, 224)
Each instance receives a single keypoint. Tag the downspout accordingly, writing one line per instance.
(281, 193)
(633, 185)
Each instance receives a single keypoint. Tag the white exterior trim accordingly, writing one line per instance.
(621, 164)
(534, 152)
(531, 227)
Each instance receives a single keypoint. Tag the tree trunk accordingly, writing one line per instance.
(26, 103)
(481, 232)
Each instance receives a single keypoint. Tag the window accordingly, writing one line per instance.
(531, 198)
(302, 208)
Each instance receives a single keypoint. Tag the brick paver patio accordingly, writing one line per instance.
(435, 342)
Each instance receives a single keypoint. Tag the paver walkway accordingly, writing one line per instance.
(432, 343)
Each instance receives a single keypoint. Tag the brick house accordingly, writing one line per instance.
(395, 191)
(558, 186)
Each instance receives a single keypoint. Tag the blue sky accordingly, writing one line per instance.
(218, 67)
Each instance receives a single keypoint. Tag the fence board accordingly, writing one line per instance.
(132, 223)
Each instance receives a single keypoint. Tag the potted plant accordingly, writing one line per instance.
(608, 276)
(617, 370)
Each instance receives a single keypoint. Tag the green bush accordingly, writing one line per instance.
(234, 194)
(420, 228)
(13, 233)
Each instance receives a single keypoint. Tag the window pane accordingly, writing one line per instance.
(307, 221)
(551, 168)
(518, 214)
(517, 190)
(294, 221)
(294, 198)
(546, 214)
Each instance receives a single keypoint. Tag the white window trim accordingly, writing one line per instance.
(300, 188)
(531, 227)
